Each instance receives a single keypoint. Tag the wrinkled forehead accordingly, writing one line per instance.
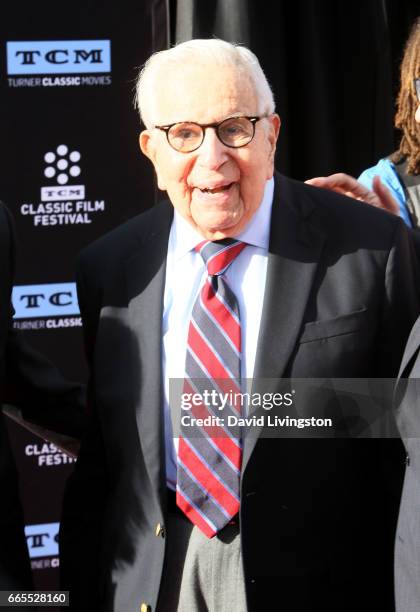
(202, 91)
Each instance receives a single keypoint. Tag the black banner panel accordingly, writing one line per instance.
(70, 170)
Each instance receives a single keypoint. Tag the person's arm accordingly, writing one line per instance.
(40, 391)
(85, 494)
(31, 381)
(80, 537)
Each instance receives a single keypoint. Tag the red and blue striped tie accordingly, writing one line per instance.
(209, 458)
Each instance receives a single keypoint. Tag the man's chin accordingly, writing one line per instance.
(218, 233)
(219, 228)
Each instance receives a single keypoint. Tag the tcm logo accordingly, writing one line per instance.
(49, 300)
(61, 166)
(60, 194)
(42, 540)
(59, 57)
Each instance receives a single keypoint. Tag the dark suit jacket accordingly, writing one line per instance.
(407, 547)
(14, 563)
(317, 516)
(31, 382)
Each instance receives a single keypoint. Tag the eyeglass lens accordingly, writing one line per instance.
(233, 132)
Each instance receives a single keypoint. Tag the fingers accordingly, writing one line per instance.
(387, 201)
(317, 181)
(338, 180)
(345, 184)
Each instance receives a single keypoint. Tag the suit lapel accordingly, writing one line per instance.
(145, 275)
(410, 350)
(296, 241)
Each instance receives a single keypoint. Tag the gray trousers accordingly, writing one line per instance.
(201, 574)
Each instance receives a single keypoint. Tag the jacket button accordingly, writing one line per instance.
(160, 530)
(145, 607)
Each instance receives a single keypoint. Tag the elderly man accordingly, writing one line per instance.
(242, 274)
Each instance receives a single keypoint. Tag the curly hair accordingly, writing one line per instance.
(407, 104)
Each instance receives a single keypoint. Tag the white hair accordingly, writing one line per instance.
(204, 50)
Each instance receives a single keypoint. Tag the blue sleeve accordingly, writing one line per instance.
(385, 169)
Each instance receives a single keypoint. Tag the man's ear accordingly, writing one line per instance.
(273, 134)
(148, 147)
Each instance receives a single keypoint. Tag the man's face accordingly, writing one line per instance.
(217, 189)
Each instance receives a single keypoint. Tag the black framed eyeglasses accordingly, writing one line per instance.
(187, 136)
(417, 88)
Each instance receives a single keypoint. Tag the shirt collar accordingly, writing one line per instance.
(184, 238)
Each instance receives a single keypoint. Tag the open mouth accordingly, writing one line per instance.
(216, 189)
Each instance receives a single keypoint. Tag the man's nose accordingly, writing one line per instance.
(212, 152)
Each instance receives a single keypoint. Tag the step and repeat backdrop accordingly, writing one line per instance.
(70, 170)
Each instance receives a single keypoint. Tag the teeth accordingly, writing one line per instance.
(216, 189)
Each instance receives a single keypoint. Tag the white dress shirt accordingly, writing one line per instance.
(185, 275)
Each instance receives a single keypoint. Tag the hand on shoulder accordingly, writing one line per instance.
(347, 185)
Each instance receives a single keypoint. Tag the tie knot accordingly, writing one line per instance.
(219, 255)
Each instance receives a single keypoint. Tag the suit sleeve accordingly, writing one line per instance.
(15, 571)
(39, 389)
(85, 500)
(401, 302)
(399, 312)
(32, 382)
